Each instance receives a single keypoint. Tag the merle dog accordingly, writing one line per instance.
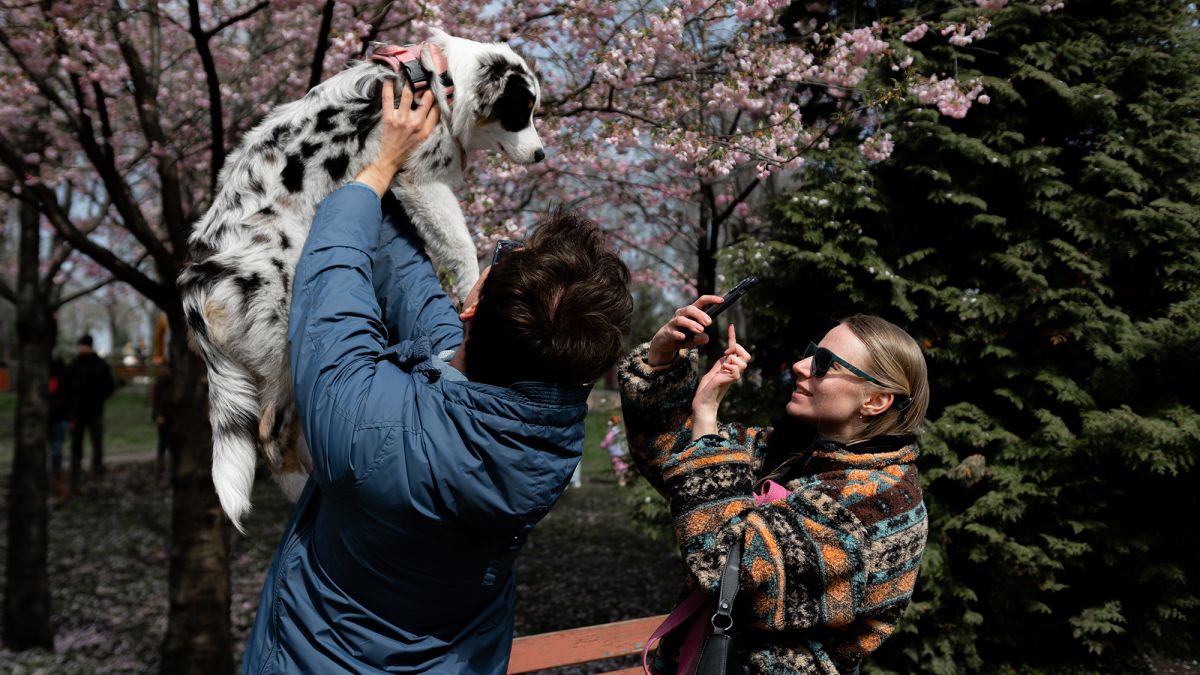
(236, 286)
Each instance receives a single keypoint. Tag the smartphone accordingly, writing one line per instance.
(732, 296)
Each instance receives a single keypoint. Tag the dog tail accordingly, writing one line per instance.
(232, 409)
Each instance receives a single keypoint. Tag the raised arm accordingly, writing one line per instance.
(410, 295)
(666, 406)
(335, 331)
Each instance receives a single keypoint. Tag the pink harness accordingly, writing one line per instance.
(406, 60)
(690, 608)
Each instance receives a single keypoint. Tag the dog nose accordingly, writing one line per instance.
(538, 156)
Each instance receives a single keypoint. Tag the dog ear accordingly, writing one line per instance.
(437, 35)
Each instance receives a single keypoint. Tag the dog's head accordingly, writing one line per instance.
(495, 96)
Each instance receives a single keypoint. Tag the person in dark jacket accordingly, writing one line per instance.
(161, 412)
(90, 383)
(59, 423)
(438, 439)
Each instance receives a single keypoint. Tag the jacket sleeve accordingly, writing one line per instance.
(808, 560)
(657, 407)
(335, 334)
(411, 298)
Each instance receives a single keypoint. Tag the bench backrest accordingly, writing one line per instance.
(581, 645)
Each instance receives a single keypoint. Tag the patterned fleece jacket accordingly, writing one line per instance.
(826, 573)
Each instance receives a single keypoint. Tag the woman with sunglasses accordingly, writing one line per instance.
(830, 519)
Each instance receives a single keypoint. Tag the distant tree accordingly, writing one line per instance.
(38, 292)
(1046, 252)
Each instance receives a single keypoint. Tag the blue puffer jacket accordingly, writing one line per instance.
(399, 555)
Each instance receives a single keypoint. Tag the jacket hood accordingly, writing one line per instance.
(496, 457)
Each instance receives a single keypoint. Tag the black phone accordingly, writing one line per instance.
(732, 296)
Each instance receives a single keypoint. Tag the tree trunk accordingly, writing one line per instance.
(27, 587)
(198, 627)
(706, 266)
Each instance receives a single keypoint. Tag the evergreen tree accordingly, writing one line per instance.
(1045, 250)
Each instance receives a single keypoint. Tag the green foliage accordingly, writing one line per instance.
(1045, 252)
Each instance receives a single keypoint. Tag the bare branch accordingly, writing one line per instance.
(609, 109)
(79, 294)
(49, 206)
(720, 220)
(318, 61)
(236, 18)
(212, 79)
(617, 234)
(378, 16)
(40, 82)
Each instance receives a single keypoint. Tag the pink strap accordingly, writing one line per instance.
(772, 492)
(680, 614)
(395, 56)
(690, 653)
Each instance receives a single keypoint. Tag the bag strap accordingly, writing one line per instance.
(722, 620)
(714, 655)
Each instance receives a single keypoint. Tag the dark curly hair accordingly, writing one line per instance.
(553, 311)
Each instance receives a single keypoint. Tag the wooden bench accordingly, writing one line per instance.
(583, 645)
(128, 373)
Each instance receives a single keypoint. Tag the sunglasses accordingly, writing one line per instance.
(823, 360)
(503, 247)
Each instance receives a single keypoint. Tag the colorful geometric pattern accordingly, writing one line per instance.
(827, 572)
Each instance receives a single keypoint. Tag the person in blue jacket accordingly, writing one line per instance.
(438, 439)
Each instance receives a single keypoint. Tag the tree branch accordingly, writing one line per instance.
(79, 294)
(40, 82)
(48, 204)
(318, 61)
(236, 18)
(378, 16)
(616, 234)
(215, 120)
(720, 220)
(609, 109)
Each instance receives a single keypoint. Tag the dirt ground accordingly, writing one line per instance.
(583, 565)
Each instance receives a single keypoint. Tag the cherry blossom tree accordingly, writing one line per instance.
(665, 120)
(44, 279)
(671, 121)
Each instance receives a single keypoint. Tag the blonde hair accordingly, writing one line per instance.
(896, 361)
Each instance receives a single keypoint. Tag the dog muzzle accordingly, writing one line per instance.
(406, 60)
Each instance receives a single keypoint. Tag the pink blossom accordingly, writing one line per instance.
(877, 148)
(916, 33)
(947, 95)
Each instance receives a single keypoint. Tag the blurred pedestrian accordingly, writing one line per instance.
(162, 412)
(614, 442)
(90, 383)
(58, 423)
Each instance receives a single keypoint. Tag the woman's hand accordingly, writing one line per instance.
(685, 329)
(402, 130)
(715, 384)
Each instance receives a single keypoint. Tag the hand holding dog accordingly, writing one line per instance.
(402, 129)
(715, 384)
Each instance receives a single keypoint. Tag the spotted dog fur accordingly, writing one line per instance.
(236, 287)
